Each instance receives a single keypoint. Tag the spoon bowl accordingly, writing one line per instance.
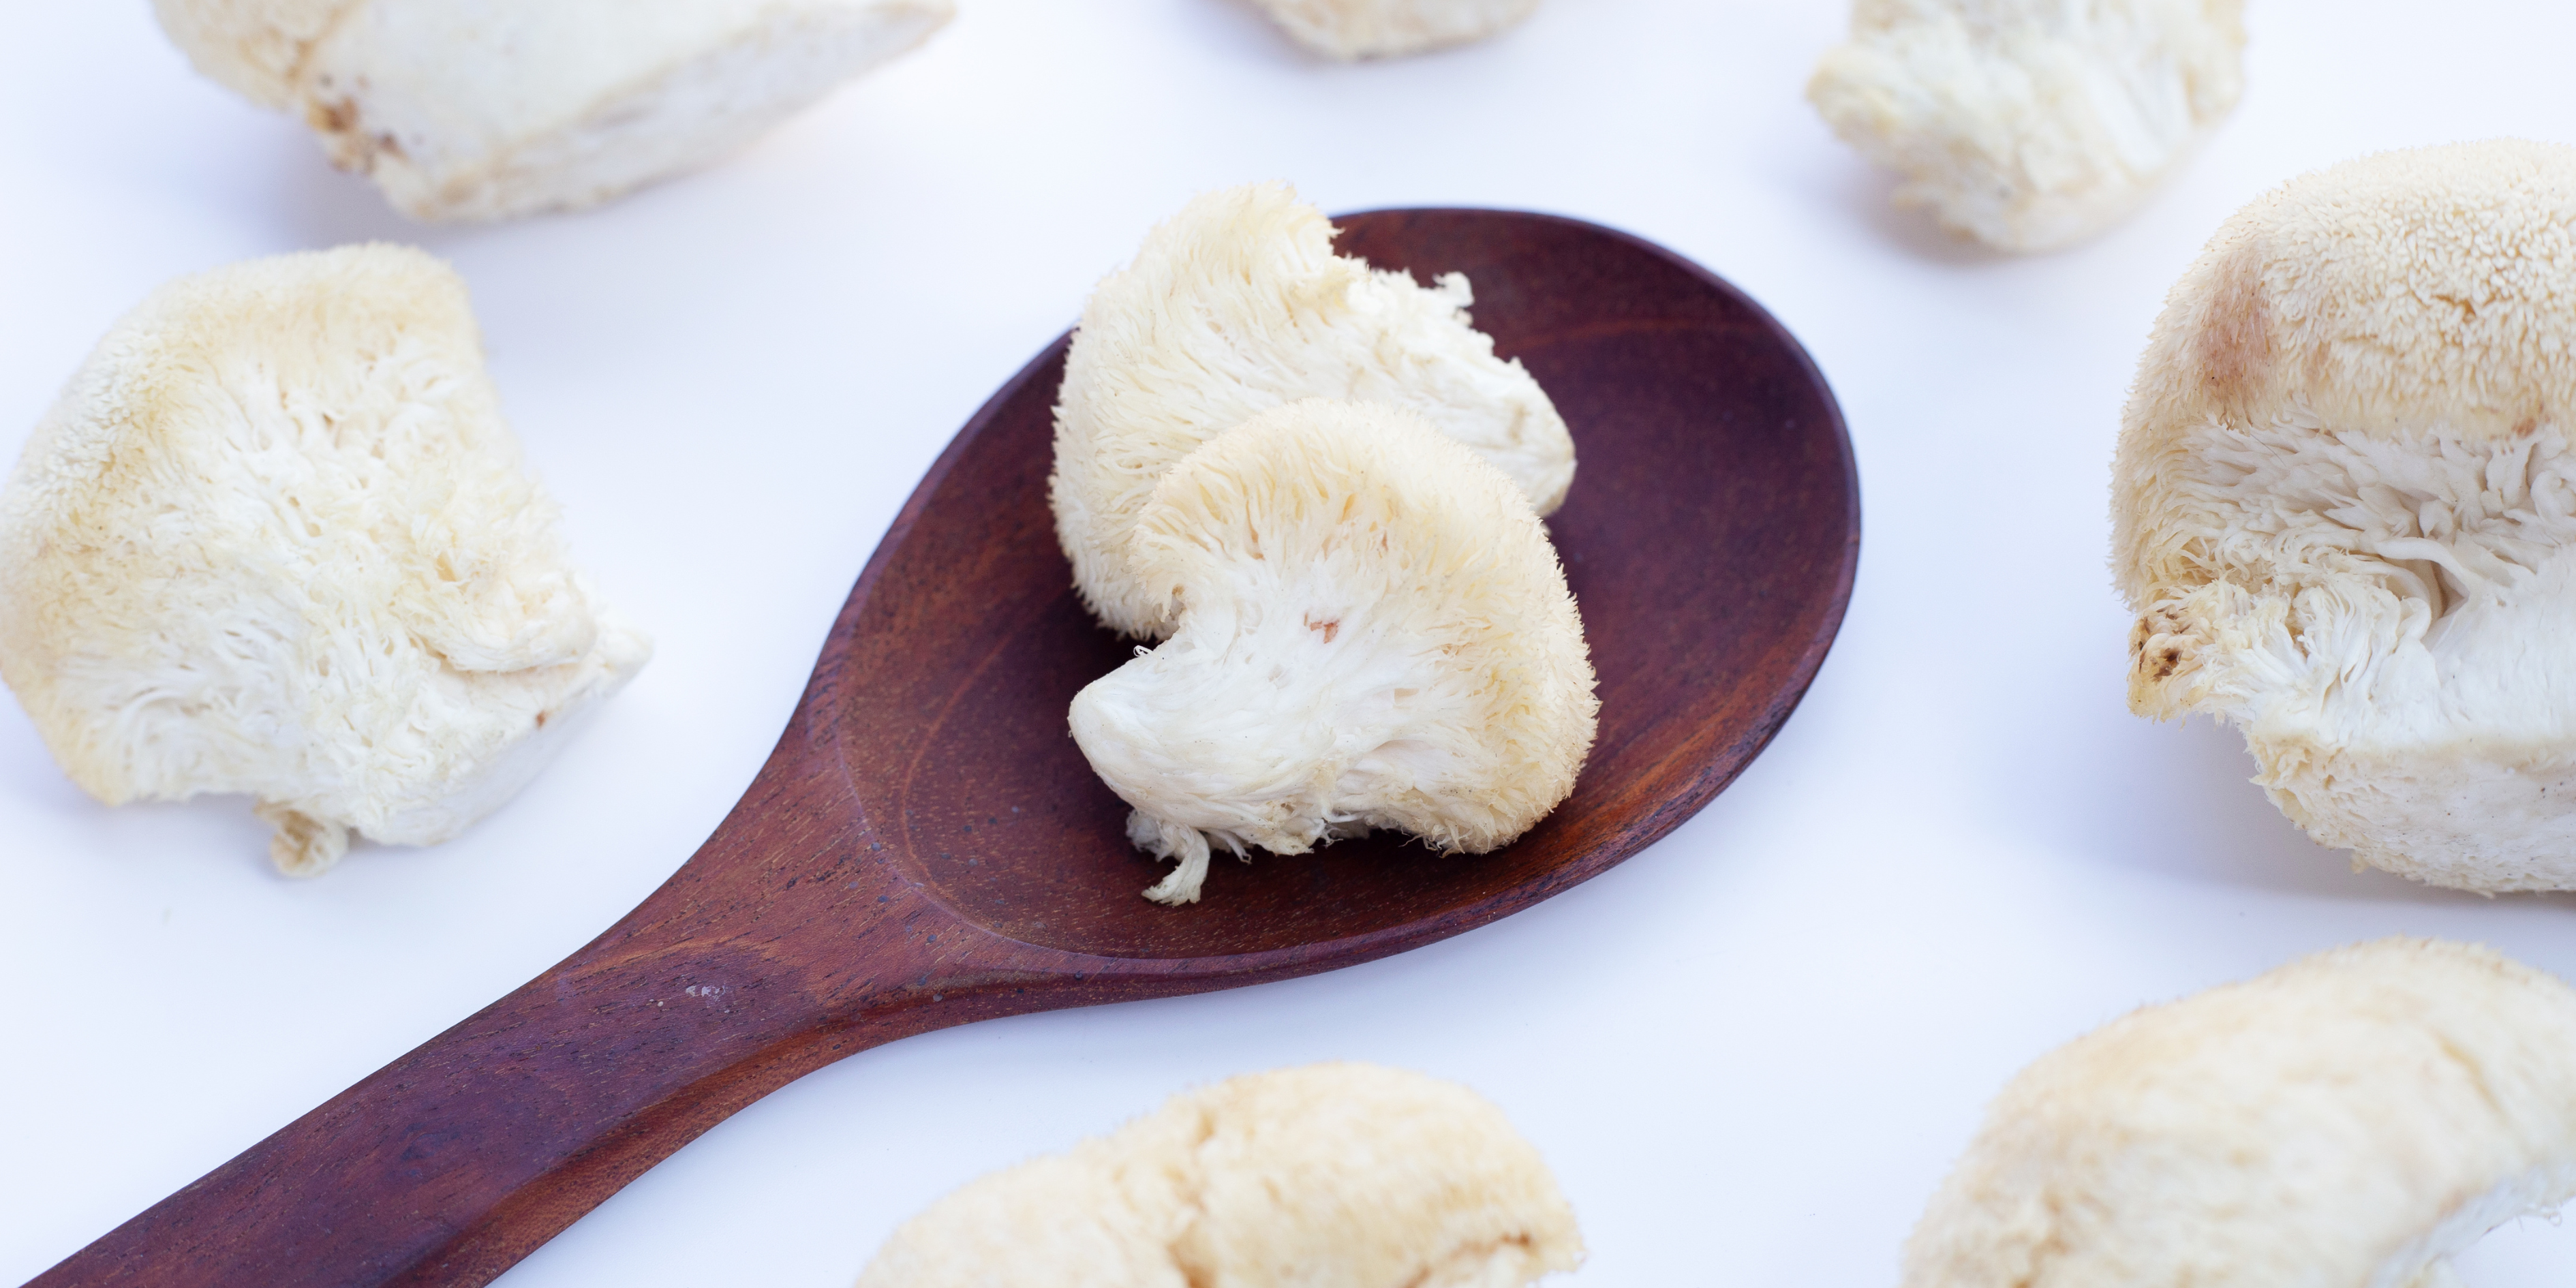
(927, 847)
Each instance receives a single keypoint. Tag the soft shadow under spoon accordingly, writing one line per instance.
(926, 846)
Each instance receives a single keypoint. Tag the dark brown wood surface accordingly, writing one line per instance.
(926, 846)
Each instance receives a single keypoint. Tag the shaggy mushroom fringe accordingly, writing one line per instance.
(2030, 126)
(2354, 602)
(1371, 630)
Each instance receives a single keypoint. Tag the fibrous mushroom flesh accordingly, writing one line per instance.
(2345, 507)
(1236, 306)
(275, 539)
(1371, 630)
(1343, 1174)
(2351, 1120)
(2031, 124)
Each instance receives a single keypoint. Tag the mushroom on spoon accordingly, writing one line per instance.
(926, 847)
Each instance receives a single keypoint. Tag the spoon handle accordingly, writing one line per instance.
(451, 1163)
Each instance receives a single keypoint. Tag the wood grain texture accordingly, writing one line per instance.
(926, 847)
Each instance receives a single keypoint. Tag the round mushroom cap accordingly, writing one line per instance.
(1238, 305)
(2350, 1120)
(1351, 29)
(2031, 124)
(275, 539)
(1373, 632)
(2344, 504)
(1345, 1174)
(492, 109)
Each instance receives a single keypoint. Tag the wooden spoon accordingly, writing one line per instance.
(926, 847)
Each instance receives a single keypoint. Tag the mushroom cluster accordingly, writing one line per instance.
(2357, 1117)
(2345, 507)
(1320, 488)
(276, 540)
(490, 109)
(2030, 124)
(1346, 1174)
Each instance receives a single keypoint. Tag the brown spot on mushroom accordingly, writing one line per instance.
(332, 118)
(2168, 661)
(2530, 425)
(2234, 345)
(2151, 641)
(1329, 629)
(541, 719)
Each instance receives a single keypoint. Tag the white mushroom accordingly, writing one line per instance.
(1343, 1174)
(1238, 305)
(1372, 631)
(2031, 124)
(252, 47)
(489, 109)
(275, 539)
(2350, 1120)
(1349, 29)
(2345, 507)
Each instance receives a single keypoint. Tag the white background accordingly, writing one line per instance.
(1749, 1053)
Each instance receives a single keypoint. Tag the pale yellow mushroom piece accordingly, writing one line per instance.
(2031, 124)
(1352, 29)
(1238, 305)
(492, 109)
(1372, 631)
(2344, 507)
(276, 540)
(2351, 1120)
(1344, 1174)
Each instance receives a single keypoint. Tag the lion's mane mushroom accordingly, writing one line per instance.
(1351, 29)
(491, 109)
(1372, 631)
(2344, 507)
(1343, 1174)
(2031, 124)
(1238, 305)
(2350, 1120)
(275, 539)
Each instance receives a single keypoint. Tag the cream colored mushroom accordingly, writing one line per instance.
(490, 109)
(1343, 1174)
(276, 540)
(1238, 305)
(2351, 1120)
(1349, 29)
(2031, 124)
(2344, 507)
(252, 47)
(1372, 632)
